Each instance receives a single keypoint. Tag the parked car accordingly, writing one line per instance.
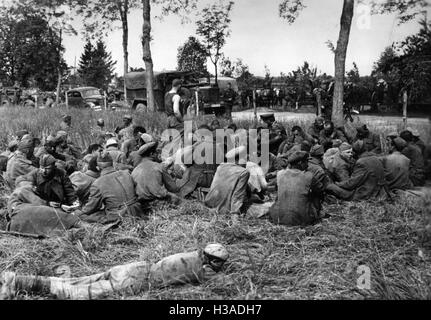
(85, 97)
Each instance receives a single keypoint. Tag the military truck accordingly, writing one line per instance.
(209, 97)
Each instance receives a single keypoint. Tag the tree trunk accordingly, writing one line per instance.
(340, 62)
(57, 97)
(124, 22)
(146, 49)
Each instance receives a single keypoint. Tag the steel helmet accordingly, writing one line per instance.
(216, 250)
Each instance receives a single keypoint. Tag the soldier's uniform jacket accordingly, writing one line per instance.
(82, 182)
(341, 168)
(371, 143)
(118, 157)
(152, 181)
(58, 188)
(417, 165)
(298, 195)
(325, 139)
(368, 178)
(115, 191)
(17, 165)
(277, 133)
(397, 171)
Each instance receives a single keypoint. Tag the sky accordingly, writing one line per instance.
(260, 37)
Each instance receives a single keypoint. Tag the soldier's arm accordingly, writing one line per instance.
(69, 191)
(359, 175)
(94, 201)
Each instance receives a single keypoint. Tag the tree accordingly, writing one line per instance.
(353, 75)
(408, 9)
(408, 64)
(213, 27)
(29, 50)
(100, 16)
(168, 6)
(192, 56)
(96, 67)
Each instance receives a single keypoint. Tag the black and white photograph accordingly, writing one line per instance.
(212, 155)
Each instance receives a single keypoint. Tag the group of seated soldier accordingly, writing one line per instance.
(56, 187)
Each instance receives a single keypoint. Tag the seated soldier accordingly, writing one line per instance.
(371, 140)
(297, 137)
(19, 162)
(417, 165)
(277, 132)
(316, 128)
(82, 180)
(397, 166)
(228, 191)
(299, 194)
(329, 134)
(51, 183)
(112, 195)
(200, 169)
(92, 152)
(133, 144)
(341, 165)
(187, 267)
(30, 214)
(151, 178)
(417, 140)
(368, 177)
(118, 157)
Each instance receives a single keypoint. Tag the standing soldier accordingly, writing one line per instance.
(229, 99)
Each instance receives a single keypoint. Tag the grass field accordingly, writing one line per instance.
(266, 261)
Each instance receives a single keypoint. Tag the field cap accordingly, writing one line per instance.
(104, 157)
(100, 121)
(176, 82)
(414, 132)
(393, 134)
(47, 160)
(147, 138)
(317, 150)
(336, 143)
(111, 142)
(128, 117)
(297, 156)
(146, 148)
(400, 143)
(345, 146)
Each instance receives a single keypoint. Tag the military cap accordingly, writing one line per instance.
(344, 147)
(336, 143)
(146, 148)
(393, 134)
(21, 133)
(317, 150)
(47, 160)
(100, 121)
(128, 117)
(399, 143)
(176, 82)
(104, 157)
(414, 132)
(111, 142)
(67, 117)
(358, 146)
(147, 138)
(297, 156)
